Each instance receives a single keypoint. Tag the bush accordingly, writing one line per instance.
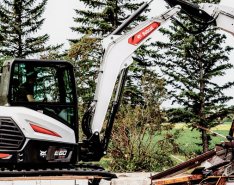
(135, 146)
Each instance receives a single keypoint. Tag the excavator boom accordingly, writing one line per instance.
(118, 55)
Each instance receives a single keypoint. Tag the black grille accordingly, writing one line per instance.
(11, 137)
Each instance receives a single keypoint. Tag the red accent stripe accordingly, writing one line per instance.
(2, 155)
(44, 130)
(144, 33)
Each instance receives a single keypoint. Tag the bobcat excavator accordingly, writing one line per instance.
(42, 133)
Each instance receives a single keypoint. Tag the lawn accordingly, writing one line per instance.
(190, 138)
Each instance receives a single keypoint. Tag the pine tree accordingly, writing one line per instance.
(19, 21)
(104, 16)
(192, 62)
(86, 64)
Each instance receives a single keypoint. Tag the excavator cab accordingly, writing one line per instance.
(44, 86)
(45, 92)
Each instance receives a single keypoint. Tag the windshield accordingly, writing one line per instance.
(46, 86)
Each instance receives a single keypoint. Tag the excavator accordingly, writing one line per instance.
(39, 131)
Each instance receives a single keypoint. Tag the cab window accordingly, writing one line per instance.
(44, 83)
(49, 85)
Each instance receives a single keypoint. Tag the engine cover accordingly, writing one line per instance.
(28, 136)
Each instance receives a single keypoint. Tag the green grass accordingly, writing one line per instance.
(189, 139)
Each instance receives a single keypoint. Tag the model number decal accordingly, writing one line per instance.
(60, 153)
(141, 35)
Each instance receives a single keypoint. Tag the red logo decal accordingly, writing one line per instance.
(141, 35)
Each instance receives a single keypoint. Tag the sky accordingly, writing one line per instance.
(58, 20)
(59, 16)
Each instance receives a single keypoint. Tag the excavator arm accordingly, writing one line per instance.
(118, 50)
(118, 56)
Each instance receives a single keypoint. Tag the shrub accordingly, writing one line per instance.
(135, 146)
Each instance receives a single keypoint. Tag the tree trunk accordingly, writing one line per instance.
(18, 14)
(205, 142)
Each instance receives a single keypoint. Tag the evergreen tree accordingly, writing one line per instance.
(192, 62)
(102, 17)
(86, 56)
(19, 21)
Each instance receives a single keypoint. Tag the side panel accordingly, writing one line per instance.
(25, 117)
(22, 143)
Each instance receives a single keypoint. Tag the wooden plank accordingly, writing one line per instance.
(173, 180)
(49, 178)
(46, 182)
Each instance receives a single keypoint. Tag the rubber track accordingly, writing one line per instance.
(80, 170)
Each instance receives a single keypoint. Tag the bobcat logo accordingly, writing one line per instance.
(43, 154)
